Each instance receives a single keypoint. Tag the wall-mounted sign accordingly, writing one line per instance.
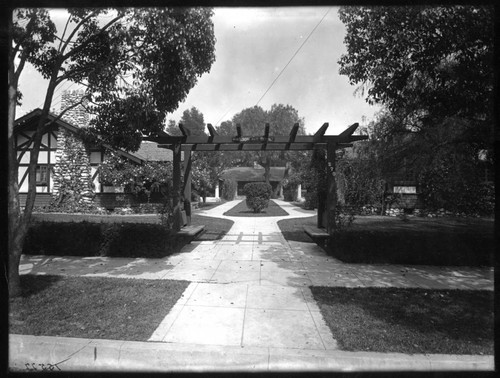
(405, 189)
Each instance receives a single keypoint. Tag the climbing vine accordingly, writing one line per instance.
(138, 179)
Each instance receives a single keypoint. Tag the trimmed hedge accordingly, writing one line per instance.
(258, 195)
(100, 239)
(413, 247)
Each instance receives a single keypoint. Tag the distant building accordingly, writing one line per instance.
(245, 175)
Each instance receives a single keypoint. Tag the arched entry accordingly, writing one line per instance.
(213, 142)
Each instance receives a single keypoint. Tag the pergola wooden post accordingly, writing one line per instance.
(292, 142)
(176, 183)
(331, 183)
(187, 185)
(186, 189)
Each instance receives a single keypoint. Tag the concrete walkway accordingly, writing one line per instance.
(249, 306)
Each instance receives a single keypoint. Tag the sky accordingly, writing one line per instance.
(254, 47)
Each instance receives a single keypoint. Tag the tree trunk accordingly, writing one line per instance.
(285, 176)
(267, 170)
(15, 227)
(18, 223)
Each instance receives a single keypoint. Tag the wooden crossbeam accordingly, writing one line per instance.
(185, 132)
(219, 139)
(248, 147)
(355, 138)
(349, 131)
(320, 133)
(293, 132)
(266, 136)
(211, 130)
(344, 145)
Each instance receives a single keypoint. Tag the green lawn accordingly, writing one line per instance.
(92, 307)
(241, 210)
(293, 229)
(208, 205)
(215, 228)
(408, 320)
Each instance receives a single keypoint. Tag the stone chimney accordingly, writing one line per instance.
(76, 116)
(71, 172)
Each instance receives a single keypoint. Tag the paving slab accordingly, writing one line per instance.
(232, 276)
(219, 295)
(280, 328)
(276, 297)
(207, 325)
(284, 278)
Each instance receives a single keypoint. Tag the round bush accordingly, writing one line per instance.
(258, 195)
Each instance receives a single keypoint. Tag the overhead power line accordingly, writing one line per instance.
(293, 56)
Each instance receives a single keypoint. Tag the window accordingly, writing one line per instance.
(42, 175)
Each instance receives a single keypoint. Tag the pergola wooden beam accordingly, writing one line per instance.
(293, 132)
(349, 131)
(185, 132)
(211, 130)
(293, 135)
(188, 143)
(219, 139)
(320, 133)
(252, 147)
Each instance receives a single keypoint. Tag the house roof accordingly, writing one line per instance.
(148, 151)
(253, 174)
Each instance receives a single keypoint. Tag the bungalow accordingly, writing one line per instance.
(245, 175)
(63, 154)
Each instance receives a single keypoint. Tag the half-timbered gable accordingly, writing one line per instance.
(63, 156)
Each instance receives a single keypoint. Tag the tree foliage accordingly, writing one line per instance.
(432, 61)
(281, 119)
(431, 67)
(192, 119)
(137, 64)
(362, 176)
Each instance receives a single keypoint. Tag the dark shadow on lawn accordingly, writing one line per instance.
(414, 320)
(32, 284)
(293, 229)
(215, 228)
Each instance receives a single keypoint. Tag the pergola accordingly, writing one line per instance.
(188, 143)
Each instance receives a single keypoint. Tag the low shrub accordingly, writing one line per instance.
(229, 189)
(100, 239)
(258, 195)
(63, 239)
(148, 208)
(290, 193)
(415, 247)
(311, 200)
